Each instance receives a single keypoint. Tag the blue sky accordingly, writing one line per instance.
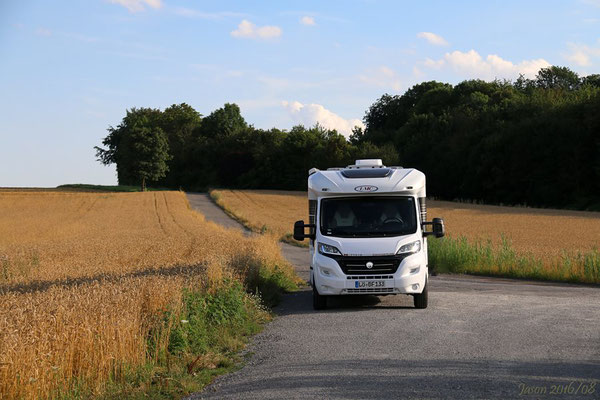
(69, 69)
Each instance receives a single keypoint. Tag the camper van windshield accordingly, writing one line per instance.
(368, 216)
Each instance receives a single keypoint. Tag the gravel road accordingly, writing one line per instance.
(479, 338)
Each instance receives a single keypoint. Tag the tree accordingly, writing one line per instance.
(592, 80)
(223, 122)
(150, 153)
(388, 113)
(497, 141)
(534, 141)
(557, 78)
(357, 134)
(139, 148)
(179, 122)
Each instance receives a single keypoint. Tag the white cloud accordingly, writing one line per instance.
(306, 20)
(383, 77)
(581, 54)
(138, 5)
(310, 114)
(247, 29)
(433, 63)
(492, 67)
(432, 38)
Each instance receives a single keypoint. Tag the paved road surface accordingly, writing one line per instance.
(479, 338)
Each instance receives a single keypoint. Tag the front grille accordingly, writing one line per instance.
(371, 290)
(358, 265)
(370, 277)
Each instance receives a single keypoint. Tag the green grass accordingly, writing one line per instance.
(189, 347)
(270, 284)
(82, 187)
(457, 255)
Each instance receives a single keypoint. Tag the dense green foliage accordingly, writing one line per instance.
(138, 146)
(223, 150)
(533, 142)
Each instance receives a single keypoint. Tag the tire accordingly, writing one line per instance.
(319, 301)
(420, 299)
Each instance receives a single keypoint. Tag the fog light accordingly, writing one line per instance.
(415, 286)
(414, 270)
(325, 271)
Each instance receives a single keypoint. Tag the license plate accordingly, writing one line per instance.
(369, 284)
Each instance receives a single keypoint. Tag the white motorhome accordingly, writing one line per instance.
(367, 232)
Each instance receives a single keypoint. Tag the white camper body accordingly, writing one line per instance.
(367, 232)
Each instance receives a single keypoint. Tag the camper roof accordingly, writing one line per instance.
(365, 177)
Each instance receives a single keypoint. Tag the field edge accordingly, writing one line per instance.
(215, 196)
(479, 258)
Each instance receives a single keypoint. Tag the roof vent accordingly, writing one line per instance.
(366, 173)
(373, 162)
(370, 163)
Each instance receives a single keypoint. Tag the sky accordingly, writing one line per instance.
(70, 69)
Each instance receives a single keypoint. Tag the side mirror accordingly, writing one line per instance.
(299, 231)
(439, 230)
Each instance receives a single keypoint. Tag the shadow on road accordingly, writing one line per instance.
(300, 302)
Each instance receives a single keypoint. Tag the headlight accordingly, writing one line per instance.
(410, 248)
(327, 249)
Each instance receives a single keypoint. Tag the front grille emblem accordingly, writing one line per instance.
(369, 265)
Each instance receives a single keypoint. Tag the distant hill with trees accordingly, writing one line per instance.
(532, 141)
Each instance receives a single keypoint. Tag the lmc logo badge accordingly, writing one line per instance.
(366, 188)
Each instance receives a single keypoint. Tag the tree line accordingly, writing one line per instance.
(178, 148)
(531, 141)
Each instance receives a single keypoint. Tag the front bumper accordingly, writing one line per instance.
(409, 278)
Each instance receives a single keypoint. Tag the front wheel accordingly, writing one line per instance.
(421, 298)
(319, 301)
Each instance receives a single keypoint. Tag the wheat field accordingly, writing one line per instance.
(540, 233)
(83, 276)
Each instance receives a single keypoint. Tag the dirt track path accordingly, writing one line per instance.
(296, 255)
(479, 338)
